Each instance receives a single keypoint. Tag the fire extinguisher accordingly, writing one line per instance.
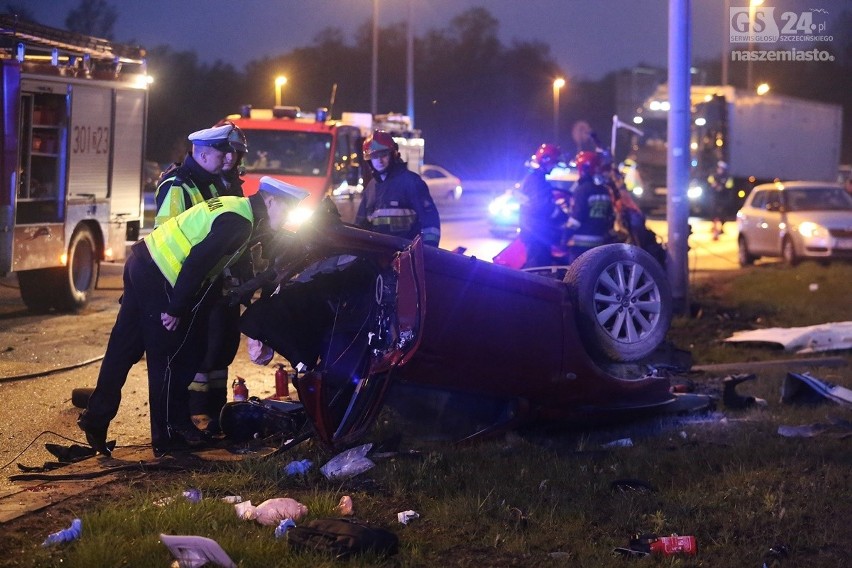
(282, 385)
(240, 389)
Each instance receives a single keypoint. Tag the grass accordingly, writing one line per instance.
(544, 498)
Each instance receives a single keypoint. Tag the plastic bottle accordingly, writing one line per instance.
(65, 535)
(282, 384)
(240, 389)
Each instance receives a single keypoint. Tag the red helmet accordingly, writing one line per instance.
(588, 163)
(378, 141)
(546, 156)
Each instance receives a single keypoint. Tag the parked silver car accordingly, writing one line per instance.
(795, 220)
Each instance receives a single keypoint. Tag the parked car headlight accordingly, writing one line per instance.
(811, 230)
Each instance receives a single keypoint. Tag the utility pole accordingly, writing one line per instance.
(374, 84)
(677, 169)
(409, 63)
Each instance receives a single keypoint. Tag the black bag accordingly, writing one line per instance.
(342, 537)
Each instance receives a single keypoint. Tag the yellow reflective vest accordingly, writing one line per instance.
(173, 203)
(171, 242)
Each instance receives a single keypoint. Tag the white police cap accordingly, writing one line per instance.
(216, 137)
(280, 188)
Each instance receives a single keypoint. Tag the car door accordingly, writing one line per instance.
(765, 225)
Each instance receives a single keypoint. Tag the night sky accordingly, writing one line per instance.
(588, 38)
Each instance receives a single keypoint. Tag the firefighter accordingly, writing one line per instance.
(721, 193)
(165, 306)
(539, 230)
(592, 215)
(199, 178)
(396, 201)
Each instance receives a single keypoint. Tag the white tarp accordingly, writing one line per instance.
(810, 339)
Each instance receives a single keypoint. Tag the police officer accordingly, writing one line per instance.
(592, 215)
(538, 212)
(201, 176)
(721, 193)
(165, 308)
(396, 200)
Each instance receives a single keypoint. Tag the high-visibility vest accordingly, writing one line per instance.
(174, 202)
(171, 242)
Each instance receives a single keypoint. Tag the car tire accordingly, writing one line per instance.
(622, 301)
(743, 255)
(788, 252)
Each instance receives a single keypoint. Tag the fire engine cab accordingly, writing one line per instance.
(319, 154)
(73, 112)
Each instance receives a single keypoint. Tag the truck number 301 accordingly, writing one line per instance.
(90, 140)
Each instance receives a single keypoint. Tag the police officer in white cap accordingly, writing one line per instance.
(165, 308)
(199, 176)
(211, 169)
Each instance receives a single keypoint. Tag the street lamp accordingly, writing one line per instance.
(751, 6)
(763, 88)
(280, 81)
(558, 83)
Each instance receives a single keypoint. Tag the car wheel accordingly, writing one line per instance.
(743, 254)
(622, 300)
(788, 252)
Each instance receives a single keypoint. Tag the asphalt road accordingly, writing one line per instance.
(44, 357)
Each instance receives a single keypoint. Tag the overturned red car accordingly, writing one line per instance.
(368, 315)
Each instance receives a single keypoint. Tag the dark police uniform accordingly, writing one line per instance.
(170, 271)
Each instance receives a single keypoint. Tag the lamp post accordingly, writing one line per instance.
(280, 81)
(762, 89)
(558, 83)
(751, 6)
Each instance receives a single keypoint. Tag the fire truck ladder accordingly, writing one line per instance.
(29, 42)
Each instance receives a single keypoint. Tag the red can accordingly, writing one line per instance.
(240, 389)
(282, 384)
(674, 544)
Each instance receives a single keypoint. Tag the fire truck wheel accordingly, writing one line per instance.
(76, 281)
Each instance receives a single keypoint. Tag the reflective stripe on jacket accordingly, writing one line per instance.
(171, 242)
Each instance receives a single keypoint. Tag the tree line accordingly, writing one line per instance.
(482, 106)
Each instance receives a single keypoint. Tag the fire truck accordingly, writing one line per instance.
(319, 154)
(73, 112)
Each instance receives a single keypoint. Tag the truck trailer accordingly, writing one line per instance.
(74, 112)
(761, 138)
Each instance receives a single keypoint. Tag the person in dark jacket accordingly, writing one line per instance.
(197, 179)
(592, 214)
(396, 201)
(165, 309)
(539, 214)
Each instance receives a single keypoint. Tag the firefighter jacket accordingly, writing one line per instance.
(538, 215)
(592, 214)
(184, 185)
(197, 245)
(399, 204)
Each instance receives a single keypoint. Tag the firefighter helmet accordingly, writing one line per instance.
(588, 163)
(379, 141)
(236, 136)
(237, 139)
(546, 156)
